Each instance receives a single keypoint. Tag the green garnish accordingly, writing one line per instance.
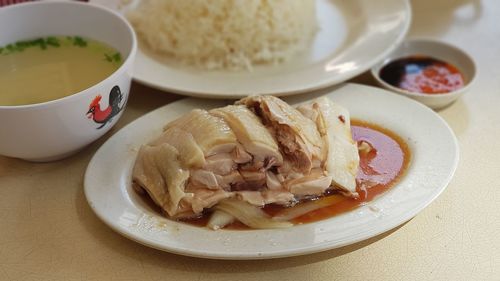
(117, 57)
(10, 47)
(40, 42)
(43, 43)
(108, 57)
(53, 41)
(56, 42)
(79, 41)
(21, 45)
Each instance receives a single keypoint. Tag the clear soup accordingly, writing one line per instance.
(45, 69)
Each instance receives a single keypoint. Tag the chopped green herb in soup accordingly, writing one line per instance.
(44, 69)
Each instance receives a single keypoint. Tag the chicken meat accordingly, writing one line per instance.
(259, 151)
(333, 124)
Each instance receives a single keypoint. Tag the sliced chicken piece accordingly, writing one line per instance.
(280, 197)
(240, 156)
(204, 178)
(220, 164)
(253, 197)
(211, 133)
(315, 186)
(253, 175)
(256, 198)
(297, 135)
(249, 185)
(254, 137)
(185, 211)
(206, 198)
(272, 181)
(147, 178)
(232, 179)
(252, 181)
(190, 152)
(158, 171)
(333, 122)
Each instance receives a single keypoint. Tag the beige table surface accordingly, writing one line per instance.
(48, 232)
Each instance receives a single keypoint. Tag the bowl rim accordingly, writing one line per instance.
(375, 70)
(123, 67)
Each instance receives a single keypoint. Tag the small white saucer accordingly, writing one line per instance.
(435, 49)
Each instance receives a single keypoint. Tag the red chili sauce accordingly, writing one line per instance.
(422, 74)
(379, 170)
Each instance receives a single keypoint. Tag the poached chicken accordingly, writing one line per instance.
(259, 151)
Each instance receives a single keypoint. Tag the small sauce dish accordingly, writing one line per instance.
(429, 71)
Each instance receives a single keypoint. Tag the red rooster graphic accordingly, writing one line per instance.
(104, 116)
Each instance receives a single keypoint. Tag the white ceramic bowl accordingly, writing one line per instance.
(55, 129)
(436, 49)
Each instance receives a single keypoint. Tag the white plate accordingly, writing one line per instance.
(353, 36)
(434, 159)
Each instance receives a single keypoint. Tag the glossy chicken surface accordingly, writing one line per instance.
(259, 151)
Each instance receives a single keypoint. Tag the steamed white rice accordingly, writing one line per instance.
(226, 34)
